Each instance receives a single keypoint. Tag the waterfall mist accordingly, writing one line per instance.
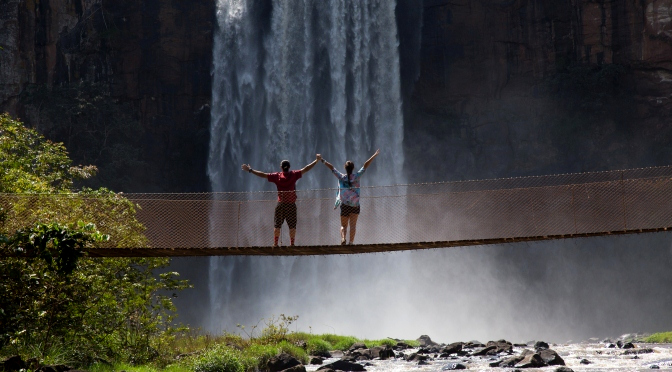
(292, 79)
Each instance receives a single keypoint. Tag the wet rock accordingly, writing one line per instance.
(357, 345)
(360, 354)
(628, 345)
(316, 360)
(551, 358)
(638, 351)
(453, 348)
(564, 369)
(424, 341)
(382, 352)
(619, 343)
(585, 361)
(654, 366)
(507, 362)
(402, 346)
(453, 366)
(519, 345)
(611, 346)
(343, 366)
(423, 363)
(299, 368)
(531, 361)
(486, 351)
(12, 364)
(473, 344)
(540, 345)
(282, 362)
(502, 346)
(328, 370)
(415, 357)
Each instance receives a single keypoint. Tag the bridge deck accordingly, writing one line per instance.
(325, 250)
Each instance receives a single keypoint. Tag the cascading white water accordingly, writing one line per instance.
(293, 78)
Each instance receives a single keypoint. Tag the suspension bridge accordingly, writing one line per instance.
(393, 218)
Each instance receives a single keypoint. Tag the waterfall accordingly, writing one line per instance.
(292, 78)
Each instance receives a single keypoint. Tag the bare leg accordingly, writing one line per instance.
(276, 235)
(292, 235)
(353, 227)
(344, 228)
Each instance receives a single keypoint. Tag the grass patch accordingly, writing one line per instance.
(217, 359)
(660, 338)
(318, 346)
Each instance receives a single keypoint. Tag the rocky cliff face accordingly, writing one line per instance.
(150, 57)
(493, 87)
(536, 86)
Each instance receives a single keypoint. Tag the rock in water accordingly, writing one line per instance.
(342, 365)
(282, 362)
(453, 366)
(425, 341)
(551, 357)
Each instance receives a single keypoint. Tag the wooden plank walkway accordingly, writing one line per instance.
(326, 250)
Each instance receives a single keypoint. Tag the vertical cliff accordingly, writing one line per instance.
(531, 86)
(148, 61)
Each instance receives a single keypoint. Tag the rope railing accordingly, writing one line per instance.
(395, 217)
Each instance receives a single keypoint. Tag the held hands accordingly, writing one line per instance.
(319, 158)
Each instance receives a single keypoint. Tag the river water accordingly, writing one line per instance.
(600, 357)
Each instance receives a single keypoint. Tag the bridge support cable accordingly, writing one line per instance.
(393, 218)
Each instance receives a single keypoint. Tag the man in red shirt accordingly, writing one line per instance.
(285, 181)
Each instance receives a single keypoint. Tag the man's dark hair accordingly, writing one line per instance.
(285, 165)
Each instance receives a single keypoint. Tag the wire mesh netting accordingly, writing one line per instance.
(484, 210)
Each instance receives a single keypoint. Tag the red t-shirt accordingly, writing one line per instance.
(286, 184)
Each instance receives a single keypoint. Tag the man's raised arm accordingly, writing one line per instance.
(247, 168)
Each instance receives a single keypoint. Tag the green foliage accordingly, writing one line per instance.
(30, 163)
(55, 304)
(341, 342)
(293, 350)
(256, 356)
(218, 359)
(660, 338)
(316, 346)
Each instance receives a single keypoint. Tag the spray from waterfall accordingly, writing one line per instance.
(292, 79)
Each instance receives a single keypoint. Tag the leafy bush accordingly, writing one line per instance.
(218, 359)
(53, 302)
(660, 338)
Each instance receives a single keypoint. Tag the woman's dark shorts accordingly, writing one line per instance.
(285, 211)
(347, 210)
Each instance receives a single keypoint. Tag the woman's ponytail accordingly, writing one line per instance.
(349, 167)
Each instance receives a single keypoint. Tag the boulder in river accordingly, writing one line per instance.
(343, 365)
(299, 368)
(281, 362)
(453, 366)
(551, 357)
(532, 360)
(425, 341)
(503, 346)
(540, 345)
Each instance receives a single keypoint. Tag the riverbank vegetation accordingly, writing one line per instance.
(660, 338)
(56, 304)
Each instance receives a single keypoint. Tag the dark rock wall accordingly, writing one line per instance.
(153, 55)
(491, 88)
(536, 86)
